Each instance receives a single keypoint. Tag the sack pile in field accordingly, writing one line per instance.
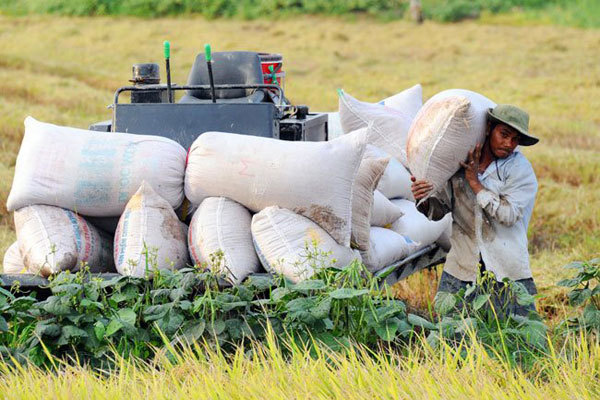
(115, 200)
(260, 172)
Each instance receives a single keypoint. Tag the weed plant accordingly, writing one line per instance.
(584, 294)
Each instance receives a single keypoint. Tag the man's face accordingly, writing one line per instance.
(503, 140)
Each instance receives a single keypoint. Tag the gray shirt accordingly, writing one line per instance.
(493, 224)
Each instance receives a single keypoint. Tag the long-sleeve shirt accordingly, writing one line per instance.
(491, 225)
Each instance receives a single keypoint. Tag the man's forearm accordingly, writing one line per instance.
(476, 186)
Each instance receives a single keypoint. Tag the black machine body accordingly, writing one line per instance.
(244, 104)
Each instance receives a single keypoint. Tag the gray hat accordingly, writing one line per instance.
(515, 118)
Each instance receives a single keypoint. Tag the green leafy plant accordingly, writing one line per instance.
(585, 293)
(86, 319)
(483, 312)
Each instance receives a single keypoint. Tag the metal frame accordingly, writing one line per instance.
(198, 87)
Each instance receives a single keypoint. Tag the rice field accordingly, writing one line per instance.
(64, 70)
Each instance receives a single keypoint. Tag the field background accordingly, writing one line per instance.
(64, 70)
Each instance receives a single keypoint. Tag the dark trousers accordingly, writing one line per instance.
(500, 299)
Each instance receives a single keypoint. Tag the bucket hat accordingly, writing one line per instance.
(517, 119)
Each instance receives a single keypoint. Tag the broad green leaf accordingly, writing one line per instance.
(415, 320)
(332, 342)
(261, 302)
(118, 297)
(55, 305)
(387, 330)
(172, 324)
(234, 328)
(194, 331)
(3, 325)
(347, 293)
(321, 310)
(127, 315)
(46, 329)
(71, 331)
(465, 325)
(444, 302)
(92, 292)
(480, 301)
(433, 339)
(217, 327)
(177, 294)
(99, 330)
(156, 312)
(574, 265)
(70, 288)
(523, 296)
(591, 316)
(280, 293)
(569, 282)
(534, 333)
(230, 306)
(313, 284)
(404, 328)
(301, 304)
(260, 282)
(579, 296)
(113, 327)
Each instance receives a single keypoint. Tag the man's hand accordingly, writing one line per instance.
(420, 189)
(472, 169)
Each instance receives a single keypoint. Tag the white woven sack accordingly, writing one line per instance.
(395, 181)
(444, 240)
(367, 179)
(93, 173)
(448, 125)
(149, 235)
(283, 240)
(53, 239)
(223, 225)
(409, 100)
(390, 125)
(315, 179)
(386, 248)
(384, 212)
(13, 262)
(334, 125)
(417, 226)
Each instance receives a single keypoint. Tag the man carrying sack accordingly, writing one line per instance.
(491, 199)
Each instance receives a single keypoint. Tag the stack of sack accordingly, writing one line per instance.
(74, 188)
(397, 227)
(116, 201)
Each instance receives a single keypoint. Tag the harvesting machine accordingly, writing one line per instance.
(240, 92)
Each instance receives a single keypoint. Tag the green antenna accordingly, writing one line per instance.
(207, 52)
(167, 48)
